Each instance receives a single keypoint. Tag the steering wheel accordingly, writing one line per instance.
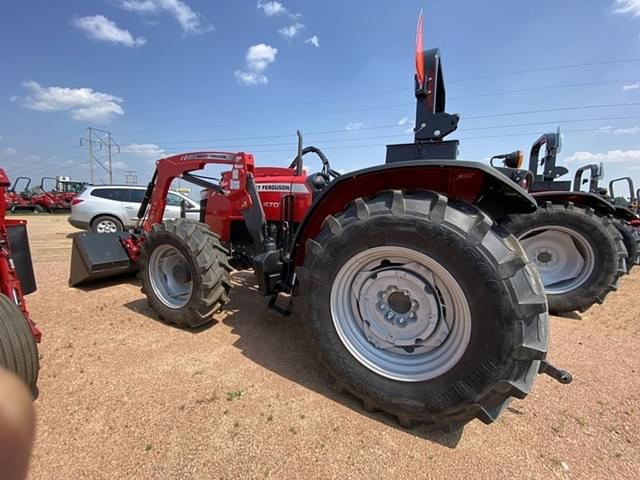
(327, 172)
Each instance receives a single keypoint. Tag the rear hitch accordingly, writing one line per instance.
(562, 376)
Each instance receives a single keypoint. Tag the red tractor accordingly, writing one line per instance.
(418, 302)
(625, 218)
(20, 199)
(59, 196)
(18, 333)
(572, 237)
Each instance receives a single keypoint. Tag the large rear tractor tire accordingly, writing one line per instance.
(631, 238)
(18, 351)
(424, 309)
(579, 255)
(185, 272)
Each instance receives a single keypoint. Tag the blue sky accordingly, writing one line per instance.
(178, 75)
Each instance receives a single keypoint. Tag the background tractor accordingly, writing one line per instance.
(572, 237)
(625, 219)
(417, 301)
(19, 198)
(18, 333)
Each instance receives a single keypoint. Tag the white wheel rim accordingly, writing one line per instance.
(170, 276)
(564, 258)
(400, 313)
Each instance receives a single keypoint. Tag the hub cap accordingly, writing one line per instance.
(170, 276)
(106, 226)
(564, 258)
(400, 313)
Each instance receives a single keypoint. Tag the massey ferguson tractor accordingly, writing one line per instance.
(18, 333)
(417, 301)
(572, 237)
(16, 199)
(625, 219)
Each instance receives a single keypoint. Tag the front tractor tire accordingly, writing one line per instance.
(18, 351)
(579, 255)
(185, 272)
(423, 308)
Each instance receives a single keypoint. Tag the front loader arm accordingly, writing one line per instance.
(178, 166)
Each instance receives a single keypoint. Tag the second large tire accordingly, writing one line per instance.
(580, 255)
(185, 272)
(18, 351)
(631, 238)
(478, 308)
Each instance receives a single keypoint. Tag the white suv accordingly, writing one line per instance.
(114, 208)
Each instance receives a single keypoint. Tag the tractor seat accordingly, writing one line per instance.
(317, 182)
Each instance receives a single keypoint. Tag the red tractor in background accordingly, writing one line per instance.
(20, 199)
(625, 218)
(417, 301)
(573, 237)
(64, 188)
(18, 333)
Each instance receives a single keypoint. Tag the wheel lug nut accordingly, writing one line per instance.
(412, 316)
(382, 306)
(390, 315)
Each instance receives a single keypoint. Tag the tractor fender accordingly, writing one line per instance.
(473, 182)
(625, 214)
(584, 199)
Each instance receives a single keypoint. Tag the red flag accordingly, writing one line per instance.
(419, 49)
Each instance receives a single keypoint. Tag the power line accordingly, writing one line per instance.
(396, 125)
(407, 88)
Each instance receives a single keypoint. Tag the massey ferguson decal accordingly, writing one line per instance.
(282, 187)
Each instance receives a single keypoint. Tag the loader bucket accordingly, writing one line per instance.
(99, 256)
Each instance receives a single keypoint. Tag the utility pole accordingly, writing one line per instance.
(101, 138)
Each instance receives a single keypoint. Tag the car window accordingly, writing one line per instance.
(136, 195)
(117, 194)
(174, 200)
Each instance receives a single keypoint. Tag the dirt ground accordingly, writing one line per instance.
(123, 395)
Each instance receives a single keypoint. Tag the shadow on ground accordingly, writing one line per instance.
(281, 344)
(141, 306)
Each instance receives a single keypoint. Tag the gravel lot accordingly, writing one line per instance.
(123, 395)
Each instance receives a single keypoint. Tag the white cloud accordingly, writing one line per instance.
(632, 86)
(83, 103)
(9, 151)
(627, 131)
(627, 6)
(119, 165)
(272, 9)
(612, 156)
(192, 22)
(260, 56)
(315, 41)
(13, 98)
(354, 125)
(291, 31)
(101, 28)
(148, 150)
(250, 78)
(403, 120)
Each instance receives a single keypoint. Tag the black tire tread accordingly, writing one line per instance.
(211, 260)
(592, 292)
(18, 350)
(530, 335)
